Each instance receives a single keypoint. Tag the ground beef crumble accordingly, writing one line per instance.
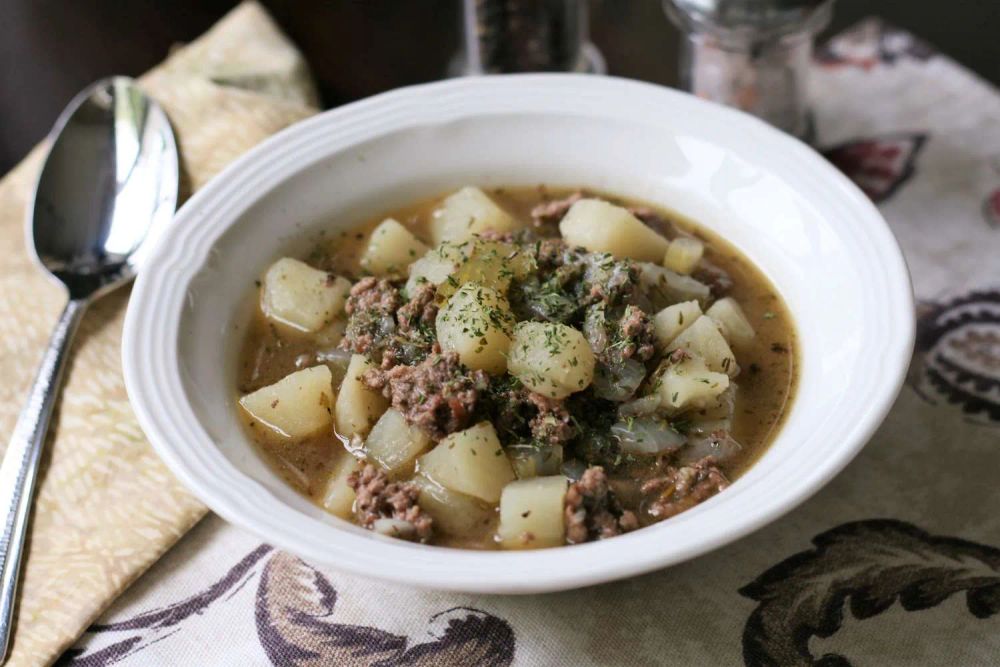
(371, 310)
(635, 330)
(378, 498)
(684, 487)
(717, 279)
(552, 424)
(552, 211)
(592, 511)
(438, 395)
(420, 311)
(386, 329)
(520, 415)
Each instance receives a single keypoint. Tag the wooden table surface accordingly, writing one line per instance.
(49, 49)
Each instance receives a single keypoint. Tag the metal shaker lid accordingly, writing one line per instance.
(760, 19)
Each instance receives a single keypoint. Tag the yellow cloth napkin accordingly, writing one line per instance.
(106, 507)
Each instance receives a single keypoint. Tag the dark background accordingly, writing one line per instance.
(49, 49)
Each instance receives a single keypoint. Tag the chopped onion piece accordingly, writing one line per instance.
(534, 460)
(640, 407)
(618, 383)
(664, 287)
(647, 436)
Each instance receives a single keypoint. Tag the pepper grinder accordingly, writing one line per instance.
(754, 55)
(504, 36)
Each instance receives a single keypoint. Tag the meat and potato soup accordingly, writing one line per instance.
(515, 368)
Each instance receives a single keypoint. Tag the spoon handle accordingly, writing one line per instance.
(20, 462)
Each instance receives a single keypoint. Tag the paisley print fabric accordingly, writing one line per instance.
(895, 562)
(957, 359)
(294, 612)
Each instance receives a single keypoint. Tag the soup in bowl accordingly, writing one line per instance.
(515, 368)
(614, 474)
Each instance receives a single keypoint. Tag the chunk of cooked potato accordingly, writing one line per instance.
(296, 406)
(704, 339)
(672, 320)
(393, 444)
(490, 263)
(358, 407)
(297, 295)
(600, 226)
(466, 213)
(451, 265)
(453, 513)
(550, 359)
(391, 249)
(683, 254)
(476, 323)
(733, 321)
(689, 384)
(434, 267)
(532, 513)
(338, 498)
(471, 462)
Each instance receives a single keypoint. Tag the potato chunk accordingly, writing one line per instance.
(357, 406)
(733, 322)
(470, 461)
(434, 268)
(338, 498)
(490, 263)
(551, 359)
(476, 323)
(684, 254)
(672, 320)
(532, 514)
(469, 212)
(295, 406)
(600, 226)
(391, 249)
(297, 295)
(454, 513)
(393, 443)
(689, 384)
(704, 339)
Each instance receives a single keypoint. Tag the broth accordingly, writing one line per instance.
(766, 382)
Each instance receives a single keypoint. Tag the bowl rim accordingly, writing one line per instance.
(153, 394)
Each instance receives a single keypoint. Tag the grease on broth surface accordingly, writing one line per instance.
(766, 382)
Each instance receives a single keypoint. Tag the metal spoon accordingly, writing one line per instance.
(108, 185)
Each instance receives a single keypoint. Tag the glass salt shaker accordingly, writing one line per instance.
(504, 36)
(754, 55)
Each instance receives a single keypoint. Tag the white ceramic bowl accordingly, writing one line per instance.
(822, 243)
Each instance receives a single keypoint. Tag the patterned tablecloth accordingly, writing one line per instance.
(897, 561)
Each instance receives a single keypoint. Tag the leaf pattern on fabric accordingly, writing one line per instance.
(293, 609)
(957, 354)
(878, 165)
(153, 625)
(294, 604)
(872, 564)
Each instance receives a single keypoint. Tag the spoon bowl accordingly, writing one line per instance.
(108, 186)
(109, 183)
